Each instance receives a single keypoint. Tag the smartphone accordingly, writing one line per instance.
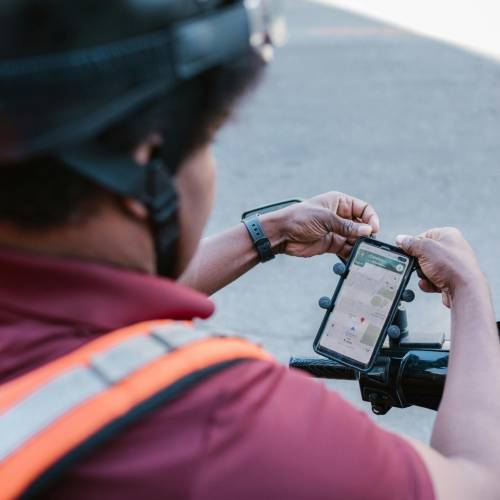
(364, 303)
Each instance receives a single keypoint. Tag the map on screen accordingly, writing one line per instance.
(364, 302)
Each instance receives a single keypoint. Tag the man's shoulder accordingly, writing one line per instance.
(168, 441)
(254, 428)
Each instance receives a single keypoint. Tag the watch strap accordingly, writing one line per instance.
(260, 240)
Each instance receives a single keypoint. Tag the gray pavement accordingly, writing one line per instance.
(409, 124)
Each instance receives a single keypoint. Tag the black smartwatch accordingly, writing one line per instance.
(252, 223)
(260, 240)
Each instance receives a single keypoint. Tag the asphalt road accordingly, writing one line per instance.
(411, 125)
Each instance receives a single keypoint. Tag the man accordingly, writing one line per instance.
(88, 218)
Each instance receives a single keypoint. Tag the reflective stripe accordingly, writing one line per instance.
(120, 361)
(53, 414)
(68, 390)
(176, 336)
(45, 405)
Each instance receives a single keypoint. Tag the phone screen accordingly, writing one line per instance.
(364, 302)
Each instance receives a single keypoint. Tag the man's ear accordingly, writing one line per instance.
(143, 152)
(142, 156)
(134, 208)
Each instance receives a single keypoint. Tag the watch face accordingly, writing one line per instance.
(270, 208)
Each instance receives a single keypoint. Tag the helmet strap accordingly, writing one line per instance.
(151, 184)
(162, 204)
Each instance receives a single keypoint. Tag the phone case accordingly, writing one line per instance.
(323, 351)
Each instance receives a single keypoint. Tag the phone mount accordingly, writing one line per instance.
(403, 365)
(398, 332)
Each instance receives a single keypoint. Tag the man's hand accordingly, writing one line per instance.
(464, 460)
(446, 260)
(330, 222)
(327, 223)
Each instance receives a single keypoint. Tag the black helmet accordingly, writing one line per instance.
(69, 70)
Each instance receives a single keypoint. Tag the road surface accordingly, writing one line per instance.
(351, 104)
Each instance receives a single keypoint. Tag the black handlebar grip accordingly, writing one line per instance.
(323, 368)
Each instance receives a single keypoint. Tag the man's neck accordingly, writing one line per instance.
(109, 237)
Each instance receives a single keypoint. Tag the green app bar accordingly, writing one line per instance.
(365, 257)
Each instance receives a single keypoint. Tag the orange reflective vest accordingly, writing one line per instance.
(51, 415)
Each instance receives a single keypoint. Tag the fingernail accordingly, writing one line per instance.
(401, 239)
(365, 230)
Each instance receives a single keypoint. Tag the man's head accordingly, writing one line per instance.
(47, 205)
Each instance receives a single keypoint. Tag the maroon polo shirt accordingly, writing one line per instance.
(255, 431)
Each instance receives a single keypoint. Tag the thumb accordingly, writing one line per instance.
(349, 228)
(409, 244)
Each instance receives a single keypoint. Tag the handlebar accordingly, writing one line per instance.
(403, 375)
(400, 377)
(324, 368)
(406, 372)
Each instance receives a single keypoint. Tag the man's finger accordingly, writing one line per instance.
(366, 213)
(345, 252)
(337, 243)
(420, 274)
(348, 228)
(433, 234)
(411, 245)
(446, 299)
(426, 286)
(356, 209)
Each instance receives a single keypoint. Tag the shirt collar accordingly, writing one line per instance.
(93, 295)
